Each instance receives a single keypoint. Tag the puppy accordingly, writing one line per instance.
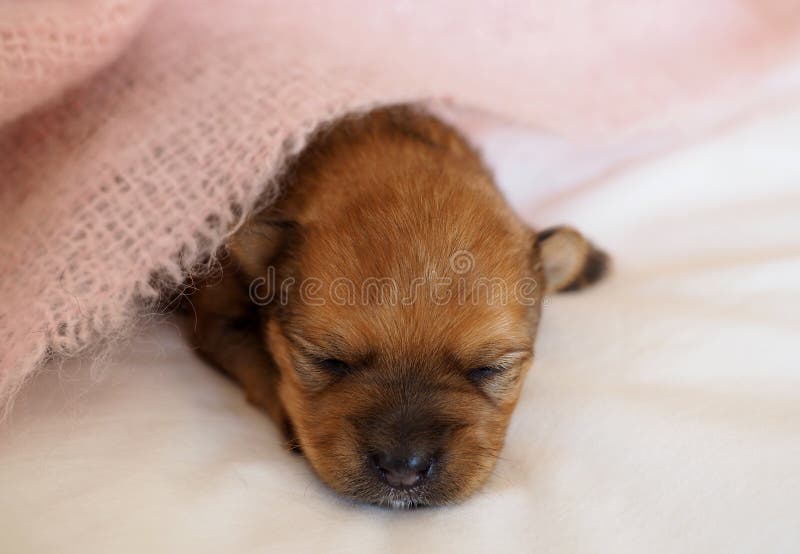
(383, 312)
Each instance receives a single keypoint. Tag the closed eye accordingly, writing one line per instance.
(484, 373)
(334, 366)
(498, 365)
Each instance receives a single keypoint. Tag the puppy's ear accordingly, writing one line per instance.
(570, 262)
(258, 242)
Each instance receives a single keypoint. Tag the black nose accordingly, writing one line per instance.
(402, 471)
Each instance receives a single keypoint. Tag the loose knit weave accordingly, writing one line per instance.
(134, 134)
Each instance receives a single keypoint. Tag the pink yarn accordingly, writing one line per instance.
(118, 178)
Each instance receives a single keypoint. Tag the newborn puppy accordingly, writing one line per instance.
(383, 312)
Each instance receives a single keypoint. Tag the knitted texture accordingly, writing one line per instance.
(44, 48)
(117, 179)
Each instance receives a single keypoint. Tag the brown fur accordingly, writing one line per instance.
(377, 213)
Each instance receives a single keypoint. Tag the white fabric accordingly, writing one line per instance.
(662, 413)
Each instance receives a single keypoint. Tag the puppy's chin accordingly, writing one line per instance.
(365, 488)
(406, 500)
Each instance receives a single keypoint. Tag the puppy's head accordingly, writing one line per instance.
(402, 350)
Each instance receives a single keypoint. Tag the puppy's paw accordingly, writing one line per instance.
(570, 262)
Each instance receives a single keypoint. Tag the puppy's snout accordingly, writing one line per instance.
(401, 470)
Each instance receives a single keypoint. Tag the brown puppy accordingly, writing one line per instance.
(384, 311)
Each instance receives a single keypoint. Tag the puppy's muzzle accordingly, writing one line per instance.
(404, 444)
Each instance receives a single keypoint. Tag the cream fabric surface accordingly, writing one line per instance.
(662, 413)
(135, 133)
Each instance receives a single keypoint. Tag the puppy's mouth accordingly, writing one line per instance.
(405, 499)
(399, 483)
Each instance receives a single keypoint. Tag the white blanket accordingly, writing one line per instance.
(662, 413)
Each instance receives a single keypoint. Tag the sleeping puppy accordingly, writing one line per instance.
(383, 312)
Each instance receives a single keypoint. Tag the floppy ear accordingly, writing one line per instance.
(257, 242)
(570, 262)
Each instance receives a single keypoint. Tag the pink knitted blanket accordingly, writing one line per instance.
(135, 133)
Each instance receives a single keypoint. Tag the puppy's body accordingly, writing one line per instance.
(384, 309)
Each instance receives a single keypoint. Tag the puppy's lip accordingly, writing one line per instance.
(410, 498)
(405, 504)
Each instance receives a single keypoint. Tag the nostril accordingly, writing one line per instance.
(402, 472)
(419, 463)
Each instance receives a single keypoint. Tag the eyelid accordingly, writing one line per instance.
(334, 366)
(509, 359)
(317, 355)
(322, 361)
(313, 352)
